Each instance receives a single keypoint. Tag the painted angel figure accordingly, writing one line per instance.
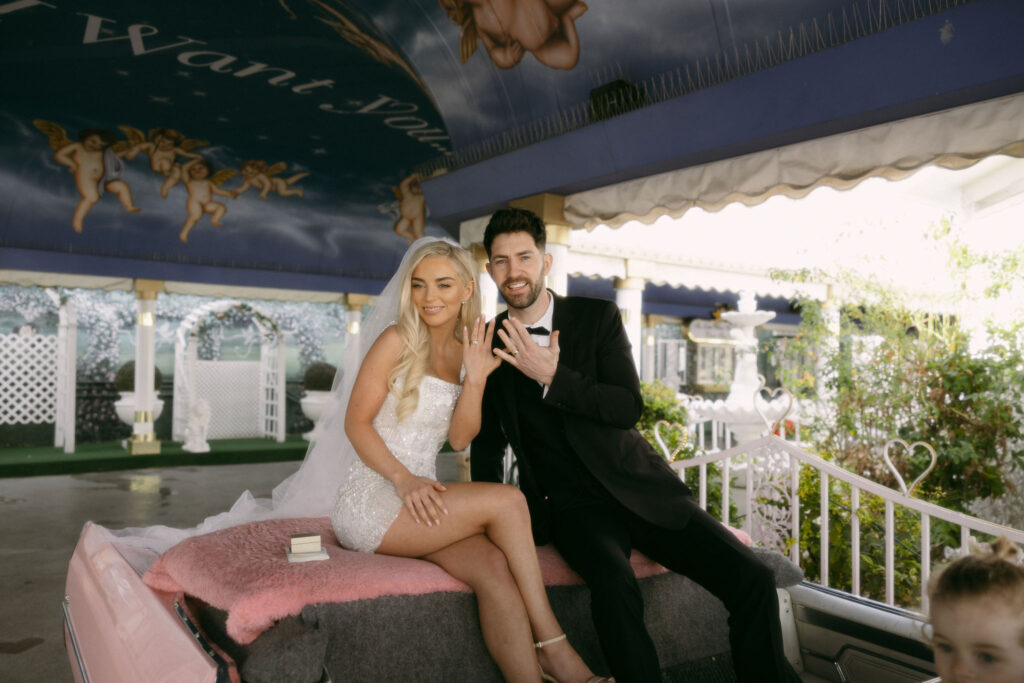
(510, 28)
(95, 162)
(256, 173)
(202, 184)
(412, 207)
(163, 146)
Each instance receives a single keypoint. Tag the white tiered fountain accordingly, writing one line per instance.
(744, 409)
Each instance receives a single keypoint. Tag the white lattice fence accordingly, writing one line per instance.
(28, 379)
(232, 389)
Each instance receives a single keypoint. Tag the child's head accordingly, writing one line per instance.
(165, 138)
(97, 139)
(254, 167)
(977, 616)
(200, 169)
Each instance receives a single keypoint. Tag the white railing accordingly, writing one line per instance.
(767, 474)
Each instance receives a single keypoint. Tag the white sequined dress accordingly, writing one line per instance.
(367, 504)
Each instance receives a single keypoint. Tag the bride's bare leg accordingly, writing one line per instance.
(479, 563)
(499, 512)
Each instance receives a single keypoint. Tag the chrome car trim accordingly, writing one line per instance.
(74, 641)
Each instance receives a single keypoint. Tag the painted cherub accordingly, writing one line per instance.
(95, 163)
(412, 207)
(202, 184)
(508, 28)
(257, 174)
(163, 147)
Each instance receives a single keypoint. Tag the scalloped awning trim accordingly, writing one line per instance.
(953, 138)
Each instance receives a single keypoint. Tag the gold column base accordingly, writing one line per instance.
(144, 447)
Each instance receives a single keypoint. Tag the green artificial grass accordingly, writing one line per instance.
(30, 461)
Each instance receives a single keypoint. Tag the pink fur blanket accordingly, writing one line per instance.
(244, 571)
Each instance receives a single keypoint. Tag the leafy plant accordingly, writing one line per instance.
(889, 368)
(124, 380)
(661, 403)
(871, 513)
(319, 376)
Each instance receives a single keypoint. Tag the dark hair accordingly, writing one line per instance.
(108, 137)
(515, 220)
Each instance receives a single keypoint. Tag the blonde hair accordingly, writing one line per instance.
(415, 355)
(462, 16)
(990, 570)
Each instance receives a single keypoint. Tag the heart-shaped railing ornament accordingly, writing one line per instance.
(772, 395)
(670, 426)
(909, 448)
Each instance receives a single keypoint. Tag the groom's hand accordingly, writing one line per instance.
(536, 362)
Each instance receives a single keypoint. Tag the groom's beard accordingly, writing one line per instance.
(524, 297)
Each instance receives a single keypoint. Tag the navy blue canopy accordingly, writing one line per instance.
(273, 142)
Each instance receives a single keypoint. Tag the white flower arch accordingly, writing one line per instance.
(270, 402)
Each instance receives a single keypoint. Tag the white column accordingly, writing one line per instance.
(629, 295)
(67, 336)
(833, 324)
(648, 354)
(488, 288)
(558, 247)
(143, 439)
(354, 311)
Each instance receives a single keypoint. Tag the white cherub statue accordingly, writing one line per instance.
(197, 427)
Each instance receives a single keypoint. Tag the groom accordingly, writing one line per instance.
(566, 399)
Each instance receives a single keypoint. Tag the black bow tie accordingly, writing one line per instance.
(543, 331)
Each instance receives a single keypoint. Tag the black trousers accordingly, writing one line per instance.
(596, 540)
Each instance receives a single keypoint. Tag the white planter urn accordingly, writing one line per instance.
(314, 404)
(125, 407)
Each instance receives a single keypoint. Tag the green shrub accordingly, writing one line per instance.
(871, 513)
(124, 380)
(661, 403)
(319, 376)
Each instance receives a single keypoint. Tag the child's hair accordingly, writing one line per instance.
(167, 133)
(108, 137)
(204, 164)
(990, 570)
(258, 164)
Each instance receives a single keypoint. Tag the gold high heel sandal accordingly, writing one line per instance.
(551, 679)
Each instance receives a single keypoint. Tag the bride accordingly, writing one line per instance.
(421, 382)
(411, 379)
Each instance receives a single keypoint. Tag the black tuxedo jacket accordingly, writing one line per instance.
(597, 393)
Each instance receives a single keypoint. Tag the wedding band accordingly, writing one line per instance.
(514, 352)
(475, 341)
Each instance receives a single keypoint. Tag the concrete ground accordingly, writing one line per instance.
(40, 521)
(41, 518)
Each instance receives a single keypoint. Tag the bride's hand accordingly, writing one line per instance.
(422, 498)
(477, 357)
